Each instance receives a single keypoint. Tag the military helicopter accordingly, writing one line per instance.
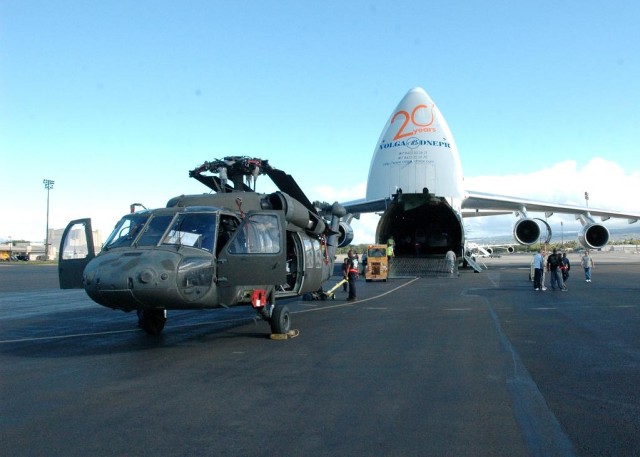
(232, 247)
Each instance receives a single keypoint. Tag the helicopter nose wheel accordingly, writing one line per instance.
(152, 320)
(280, 320)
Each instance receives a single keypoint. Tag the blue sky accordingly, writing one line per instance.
(117, 100)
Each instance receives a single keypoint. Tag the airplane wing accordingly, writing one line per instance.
(366, 206)
(484, 204)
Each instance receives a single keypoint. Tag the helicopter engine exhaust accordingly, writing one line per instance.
(295, 212)
(346, 234)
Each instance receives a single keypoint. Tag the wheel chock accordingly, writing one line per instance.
(285, 336)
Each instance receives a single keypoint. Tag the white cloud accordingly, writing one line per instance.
(607, 182)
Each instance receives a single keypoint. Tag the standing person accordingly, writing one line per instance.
(566, 266)
(553, 267)
(560, 272)
(363, 261)
(587, 264)
(352, 276)
(538, 268)
(390, 250)
(345, 272)
(356, 262)
(450, 258)
(544, 275)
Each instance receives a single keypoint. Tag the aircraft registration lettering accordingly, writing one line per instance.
(402, 131)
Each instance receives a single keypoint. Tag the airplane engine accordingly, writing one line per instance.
(593, 236)
(346, 234)
(489, 250)
(526, 231)
(510, 250)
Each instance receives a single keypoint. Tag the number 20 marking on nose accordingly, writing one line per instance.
(410, 117)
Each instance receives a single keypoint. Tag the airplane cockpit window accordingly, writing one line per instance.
(126, 231)
(192, 229)
(154, 230)
(260, 234)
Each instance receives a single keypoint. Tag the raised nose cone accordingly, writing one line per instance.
(416, 151)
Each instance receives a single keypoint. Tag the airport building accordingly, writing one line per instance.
(11, 250)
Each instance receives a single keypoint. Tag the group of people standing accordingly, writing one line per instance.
(558, 266)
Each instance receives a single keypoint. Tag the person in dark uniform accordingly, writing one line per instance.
(345, 273)
(352, 271)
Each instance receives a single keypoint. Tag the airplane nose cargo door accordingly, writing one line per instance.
(76, 251)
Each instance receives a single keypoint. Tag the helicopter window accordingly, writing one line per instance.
(312, 253)
(260, 234)
(228, 226)
(126, 230)
(192, 229)
(308, 252)
(153, 231)
(318, 253)
(75, 244)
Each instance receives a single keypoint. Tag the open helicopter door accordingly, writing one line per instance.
(76, 250)
(255, 255)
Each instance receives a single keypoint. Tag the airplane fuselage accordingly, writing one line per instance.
(416, 183)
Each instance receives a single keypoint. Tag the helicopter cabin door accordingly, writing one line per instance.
(255, 255)
(76, 250)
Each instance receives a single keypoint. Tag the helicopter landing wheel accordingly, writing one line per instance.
(280, 320)
(152, 320)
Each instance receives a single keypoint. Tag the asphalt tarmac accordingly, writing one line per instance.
(475, 365)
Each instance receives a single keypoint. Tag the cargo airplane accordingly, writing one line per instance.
(416, 183)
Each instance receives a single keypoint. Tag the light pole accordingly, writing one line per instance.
(562, 231)
(586, 198)
(48, 184)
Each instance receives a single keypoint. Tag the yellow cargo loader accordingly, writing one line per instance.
(377, 265)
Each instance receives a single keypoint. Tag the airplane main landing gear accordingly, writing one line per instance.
(152, 320)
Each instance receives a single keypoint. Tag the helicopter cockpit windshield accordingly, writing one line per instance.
(126, 230)
(197, 230)
(192, 229)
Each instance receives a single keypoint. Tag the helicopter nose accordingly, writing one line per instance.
(147, 276)
(126, 280)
